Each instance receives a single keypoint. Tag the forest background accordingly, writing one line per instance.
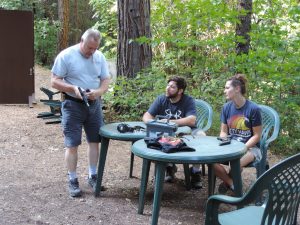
(196, 39)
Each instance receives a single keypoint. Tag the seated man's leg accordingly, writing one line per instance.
(171, 169)
(195, 169)
(196, 176)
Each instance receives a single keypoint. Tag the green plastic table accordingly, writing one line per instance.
(207, 151)
(109, 131)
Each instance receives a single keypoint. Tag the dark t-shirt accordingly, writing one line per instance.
(183, 108)
(241, 121)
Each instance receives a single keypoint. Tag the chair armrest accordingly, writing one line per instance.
(213, 204)
(225, 199)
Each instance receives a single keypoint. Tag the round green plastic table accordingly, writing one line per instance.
(109, 131)
(207, 151)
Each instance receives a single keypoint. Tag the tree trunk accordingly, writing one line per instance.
(134, 22)
(63, 15)
(244, 26)
(76, 22)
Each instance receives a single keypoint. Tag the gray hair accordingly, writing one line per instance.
(91, 34)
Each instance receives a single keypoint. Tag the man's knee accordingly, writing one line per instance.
(72, 150)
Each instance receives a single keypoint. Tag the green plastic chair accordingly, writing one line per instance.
(270, 131)
(204, 115)
(281, 187)
(203, 123)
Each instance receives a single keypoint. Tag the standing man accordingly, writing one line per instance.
(181, 109)
(83, 67)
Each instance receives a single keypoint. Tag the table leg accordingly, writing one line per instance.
(211, 179)
(101, 164)
(144, 182)
(158, 190)
(237, 177)
(187, 176)
(131, 163)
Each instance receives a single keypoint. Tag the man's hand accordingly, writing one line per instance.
(93, 94)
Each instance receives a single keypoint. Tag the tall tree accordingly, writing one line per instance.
(134, 22)
(63, 14)
(243, 26)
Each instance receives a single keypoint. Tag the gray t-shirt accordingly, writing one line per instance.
(75, 69)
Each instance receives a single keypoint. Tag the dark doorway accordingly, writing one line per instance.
(16, 57)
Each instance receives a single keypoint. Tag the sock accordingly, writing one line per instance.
(92, 170)
(195, 170)
(231, 187)
(72, 175)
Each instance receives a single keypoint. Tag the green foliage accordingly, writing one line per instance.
(196, 39)
(45, 39)
(14, 4)
(106, 16)
(130, 98)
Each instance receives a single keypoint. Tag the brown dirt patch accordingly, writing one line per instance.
(33, 177)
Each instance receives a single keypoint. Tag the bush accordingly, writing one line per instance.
(45, 41)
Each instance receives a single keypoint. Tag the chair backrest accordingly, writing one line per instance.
(271, 124)
(204, 115)
(270, 130)
(281, 184)
(48, 92)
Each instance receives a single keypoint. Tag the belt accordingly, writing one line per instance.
(77, 99)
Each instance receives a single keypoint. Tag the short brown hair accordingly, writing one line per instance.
(180, 82)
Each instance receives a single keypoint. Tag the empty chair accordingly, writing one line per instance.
(281, 188)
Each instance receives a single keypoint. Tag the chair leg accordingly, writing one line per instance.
(203, 169)
(131, 164)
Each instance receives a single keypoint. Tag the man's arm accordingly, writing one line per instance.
(147, 117)
(58, 83)
(186, 121)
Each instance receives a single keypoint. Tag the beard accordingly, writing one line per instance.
(171, 96)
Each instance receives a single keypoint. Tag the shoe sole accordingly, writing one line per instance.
(94, 188)
(196, 186)
(74, 195)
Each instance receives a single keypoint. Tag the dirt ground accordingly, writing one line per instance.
(33, 177)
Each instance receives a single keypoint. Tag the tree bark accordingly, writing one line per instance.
(134, 22)
(63, 15)
(76, 22)
(244, 26)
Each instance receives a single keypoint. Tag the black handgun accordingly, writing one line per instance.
(84, 97)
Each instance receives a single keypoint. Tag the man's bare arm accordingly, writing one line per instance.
(58, 83)
(186, 121)
(147, 117)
